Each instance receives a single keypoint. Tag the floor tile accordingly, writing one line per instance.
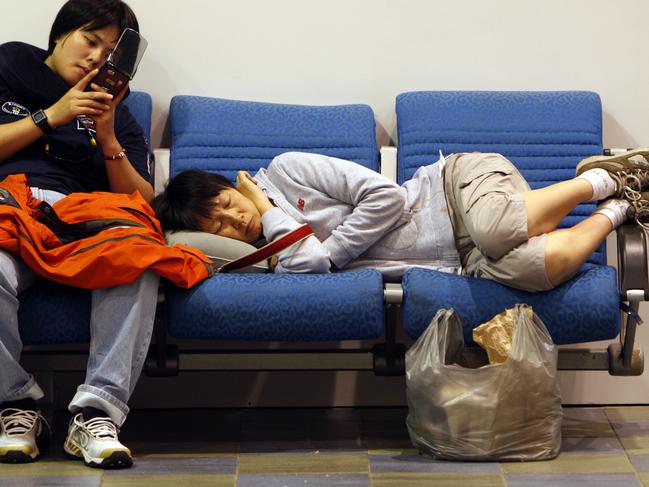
(644, 479)
(630, 413)
(323, 480)
(635, 444)
(170, 481)
(631, 427)
(187, 465)
(436, 480)
(640, 462)
(585, 422)
(411, 461)
(304, 463)
(553, 480)
(50, 481)
(573, 463)
(591, 445)
(44, 468)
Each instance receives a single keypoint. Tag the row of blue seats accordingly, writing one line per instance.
(545, 134)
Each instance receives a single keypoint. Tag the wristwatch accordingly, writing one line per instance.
(40, 119)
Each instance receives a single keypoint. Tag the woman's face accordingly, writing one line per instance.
(235, 216)
(80, 51)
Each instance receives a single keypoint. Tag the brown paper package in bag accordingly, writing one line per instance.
(496, 335)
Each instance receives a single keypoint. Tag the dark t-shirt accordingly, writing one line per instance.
(27, 84)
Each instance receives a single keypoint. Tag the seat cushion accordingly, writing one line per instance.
(586, 308)
(296, 307)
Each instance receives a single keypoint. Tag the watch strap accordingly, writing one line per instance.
(40, 119)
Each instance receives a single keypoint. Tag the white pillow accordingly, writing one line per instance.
(220, 249)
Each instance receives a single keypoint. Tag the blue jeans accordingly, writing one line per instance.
(121, 325)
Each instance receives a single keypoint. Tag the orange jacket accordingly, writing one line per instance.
(92, 240)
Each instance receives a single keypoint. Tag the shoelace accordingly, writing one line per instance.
(101, 428)
(640, 208)
(631, 183)
(633, 180)
(19, 422)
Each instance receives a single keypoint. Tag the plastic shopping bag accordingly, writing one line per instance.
(505, 411)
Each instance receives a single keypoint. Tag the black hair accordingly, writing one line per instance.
(91, 15)
(188, 199)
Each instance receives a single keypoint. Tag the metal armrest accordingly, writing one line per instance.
(632, 261)
(633, 277)
(390, 356)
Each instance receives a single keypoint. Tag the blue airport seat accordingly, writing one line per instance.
(545, 134)
(225, 136)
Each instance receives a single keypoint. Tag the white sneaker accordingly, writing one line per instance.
(20, 432)
(95, 441)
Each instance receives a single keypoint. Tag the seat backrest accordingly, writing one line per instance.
(545, 134)
(140, 105)
(225, 136)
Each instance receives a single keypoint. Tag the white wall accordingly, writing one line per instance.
(368, 51)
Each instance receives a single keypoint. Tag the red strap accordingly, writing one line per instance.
(268, 250)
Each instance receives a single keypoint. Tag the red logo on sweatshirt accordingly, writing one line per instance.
(300, 204)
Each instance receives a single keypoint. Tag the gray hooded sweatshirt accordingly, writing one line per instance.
(360, 218)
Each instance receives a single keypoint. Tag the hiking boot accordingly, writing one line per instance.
(95, 442)
(626, 162)
(639, 209)
(630, 184)
(21, 433)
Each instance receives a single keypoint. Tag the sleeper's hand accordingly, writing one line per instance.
(247, 186)
(78, 102)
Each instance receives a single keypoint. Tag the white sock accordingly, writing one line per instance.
(613, 209)
(601, 181)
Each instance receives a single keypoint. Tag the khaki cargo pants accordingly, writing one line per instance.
(484, 193)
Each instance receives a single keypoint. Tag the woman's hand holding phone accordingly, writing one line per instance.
(95, 104)
(77, 102)
(105, 121)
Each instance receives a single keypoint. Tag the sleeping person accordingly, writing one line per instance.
(472, 213)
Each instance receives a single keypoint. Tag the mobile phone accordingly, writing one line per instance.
(122, 62)
(110, 79)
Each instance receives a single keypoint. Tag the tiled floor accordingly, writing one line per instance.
(602, 447)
